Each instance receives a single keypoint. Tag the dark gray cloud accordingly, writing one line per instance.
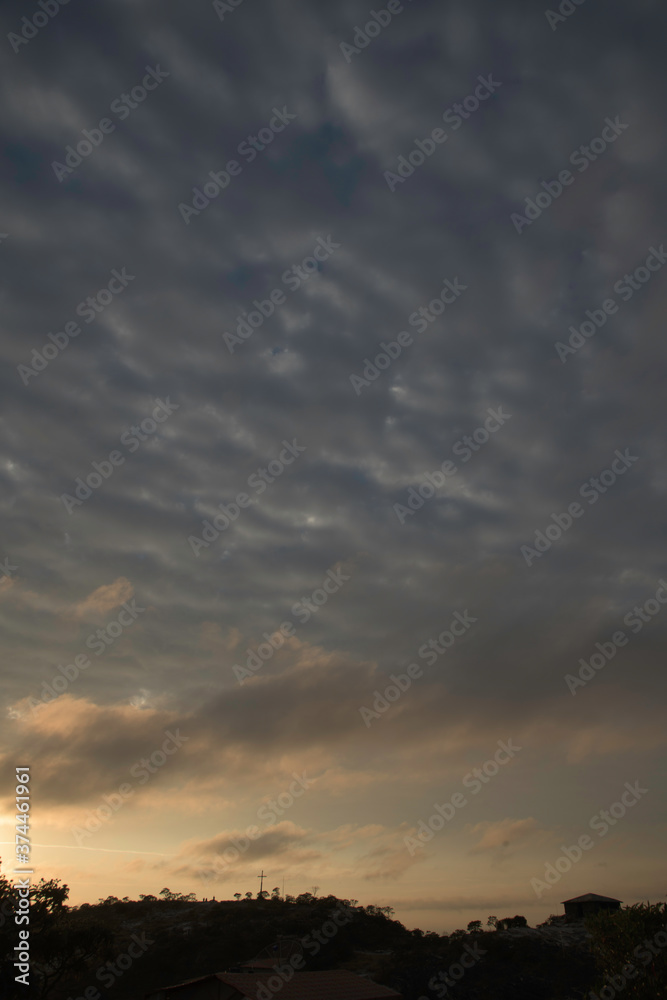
(161, 338)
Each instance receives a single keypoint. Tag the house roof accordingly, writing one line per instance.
(338, 984)
(591, 897)
(261, 963)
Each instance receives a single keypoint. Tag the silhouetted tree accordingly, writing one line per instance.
(630, 937)
(506, 922)
(60, 944)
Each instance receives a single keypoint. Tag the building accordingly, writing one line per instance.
(339, 984)
(586, 905)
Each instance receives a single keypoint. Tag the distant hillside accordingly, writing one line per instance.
(122, 949)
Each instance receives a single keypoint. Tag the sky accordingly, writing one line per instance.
(332, 450)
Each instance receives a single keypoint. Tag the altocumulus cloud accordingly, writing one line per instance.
(162, 338)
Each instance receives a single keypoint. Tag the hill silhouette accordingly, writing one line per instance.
(122, 949)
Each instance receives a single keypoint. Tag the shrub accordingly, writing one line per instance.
(634, 937)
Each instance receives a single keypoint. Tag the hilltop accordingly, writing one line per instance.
(122, 949)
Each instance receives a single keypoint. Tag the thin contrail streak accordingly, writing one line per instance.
(107, 850)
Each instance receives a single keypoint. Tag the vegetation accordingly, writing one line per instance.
(177, 937)
(60, 943)
(630, 948)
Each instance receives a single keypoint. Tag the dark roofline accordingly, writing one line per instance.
(590, 897)
(186, 982)
(384, 992)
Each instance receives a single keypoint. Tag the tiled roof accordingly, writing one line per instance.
(338, 984)
(261, 963)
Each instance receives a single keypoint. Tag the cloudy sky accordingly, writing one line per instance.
(196, 438)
